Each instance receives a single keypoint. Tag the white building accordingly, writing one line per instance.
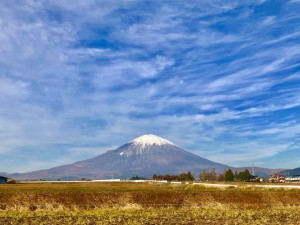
(295, 178)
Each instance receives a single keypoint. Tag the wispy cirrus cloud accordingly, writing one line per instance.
(225, 73)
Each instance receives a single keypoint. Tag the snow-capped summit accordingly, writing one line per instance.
(143, 156)
(150, 139)
(145, 145)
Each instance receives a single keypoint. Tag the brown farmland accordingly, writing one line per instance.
(145, 203)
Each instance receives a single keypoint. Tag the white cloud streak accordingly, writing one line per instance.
(101, 78)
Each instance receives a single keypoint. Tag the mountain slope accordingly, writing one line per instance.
(143, 156)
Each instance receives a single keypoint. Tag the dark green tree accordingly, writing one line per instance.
(244, 175)
(190, 176)
(229, 175)
(186, 176)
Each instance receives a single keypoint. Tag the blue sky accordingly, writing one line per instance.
(218, 78)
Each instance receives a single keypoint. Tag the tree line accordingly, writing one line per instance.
(179, 177)
(228, 175)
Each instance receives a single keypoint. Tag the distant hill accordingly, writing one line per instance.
(291, 172)
(262, 172)
(143, 156)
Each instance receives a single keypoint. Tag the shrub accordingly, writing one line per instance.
(209, 176)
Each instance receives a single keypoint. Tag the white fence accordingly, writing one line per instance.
(216, 185)
(292, 179)
(276, 186)
(108, 180)
(92, 181)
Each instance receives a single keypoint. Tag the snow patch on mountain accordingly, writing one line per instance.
(150, 139)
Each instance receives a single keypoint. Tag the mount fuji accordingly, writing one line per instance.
(143, 156)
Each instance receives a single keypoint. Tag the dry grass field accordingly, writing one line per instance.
(145, 203)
